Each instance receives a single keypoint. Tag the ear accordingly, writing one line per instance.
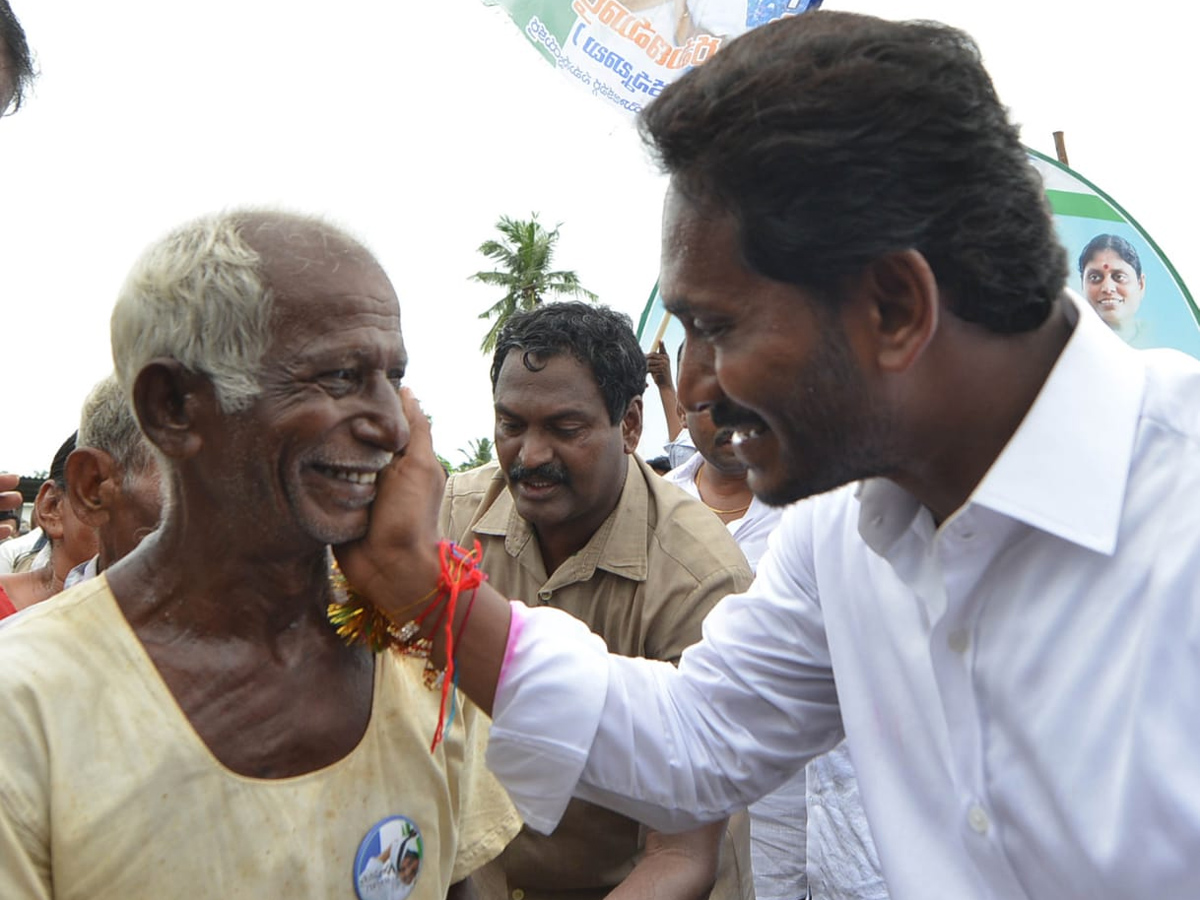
(631, 425)
(902, 298)
(169, 400)
(91, 480)
(49, 510)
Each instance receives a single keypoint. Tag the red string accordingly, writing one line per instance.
(459, 572)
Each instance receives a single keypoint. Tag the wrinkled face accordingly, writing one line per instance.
(304, 457)
(1113, 287)
(564, 461)
(784, 377)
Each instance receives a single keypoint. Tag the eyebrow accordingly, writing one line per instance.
(503, 410)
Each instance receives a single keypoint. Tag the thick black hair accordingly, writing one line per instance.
(600, 338)
(14, 51)
(832, 139)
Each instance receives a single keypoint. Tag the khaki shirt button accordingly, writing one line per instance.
(518, 894)
(543, 595)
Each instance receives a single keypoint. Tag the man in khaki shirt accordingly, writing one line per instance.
(570, 517)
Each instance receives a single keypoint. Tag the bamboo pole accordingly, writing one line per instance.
(662, 329)
(1060, 147)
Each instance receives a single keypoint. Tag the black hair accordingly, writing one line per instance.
(599, 337)
(1117, 245)
(58, 467)
(832, 139)
(660, 464)
(14, 49)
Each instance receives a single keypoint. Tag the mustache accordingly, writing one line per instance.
(551, 472)
(729, 417)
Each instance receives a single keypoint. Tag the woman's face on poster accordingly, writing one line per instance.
(1113, 287)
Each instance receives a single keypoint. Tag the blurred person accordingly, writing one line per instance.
(189, 722)
(680, 446)
(811, 834)
(16, 65)
(113, 479)
(69, 542)
(570, 518)
(989, 586)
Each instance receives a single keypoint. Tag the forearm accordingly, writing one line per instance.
(675, 866)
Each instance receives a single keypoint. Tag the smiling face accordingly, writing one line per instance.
(715, 443)
(785, 377)
(303, 458)
(1113, 287)
(564, 460)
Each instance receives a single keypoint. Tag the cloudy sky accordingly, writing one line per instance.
(416, 132)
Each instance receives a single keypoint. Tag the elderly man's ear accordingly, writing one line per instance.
(92, 480)
(172, 403)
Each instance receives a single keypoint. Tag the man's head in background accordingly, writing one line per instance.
(16, 62)
(113, 474)
(567, 383)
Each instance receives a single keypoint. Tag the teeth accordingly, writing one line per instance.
(744, 434)
(353, 477)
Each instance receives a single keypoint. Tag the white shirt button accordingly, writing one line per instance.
(958, 640)
(978, 819)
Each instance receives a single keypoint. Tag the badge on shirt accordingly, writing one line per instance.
(388, 860)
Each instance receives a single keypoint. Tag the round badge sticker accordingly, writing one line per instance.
(388, 860)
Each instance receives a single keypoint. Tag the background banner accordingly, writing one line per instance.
(626, 52)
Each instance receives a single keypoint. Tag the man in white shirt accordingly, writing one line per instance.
(994, 596)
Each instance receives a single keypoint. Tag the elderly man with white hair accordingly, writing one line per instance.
(112, 479)
(190, 723)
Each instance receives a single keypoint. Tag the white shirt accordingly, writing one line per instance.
(751, 530)
(11, 549)
(1021, 686)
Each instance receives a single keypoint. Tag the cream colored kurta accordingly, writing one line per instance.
(107, 793)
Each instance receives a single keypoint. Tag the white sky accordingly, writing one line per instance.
(417, 132)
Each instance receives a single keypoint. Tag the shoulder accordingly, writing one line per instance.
(685, 532)
(473, 482)
(467, 495)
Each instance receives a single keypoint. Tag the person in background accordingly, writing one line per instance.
(570, 518)
(70, 542)
(811, 834)
(679, 446)
(16, 63)
(113, 479)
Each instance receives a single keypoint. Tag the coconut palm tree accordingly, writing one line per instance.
(523, 256)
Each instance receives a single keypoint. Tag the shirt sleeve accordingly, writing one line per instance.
(747, 707)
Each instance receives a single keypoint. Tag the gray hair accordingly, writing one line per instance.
(107, 423)
(198, 296)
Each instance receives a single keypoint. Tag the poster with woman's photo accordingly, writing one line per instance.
(1116, 267)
